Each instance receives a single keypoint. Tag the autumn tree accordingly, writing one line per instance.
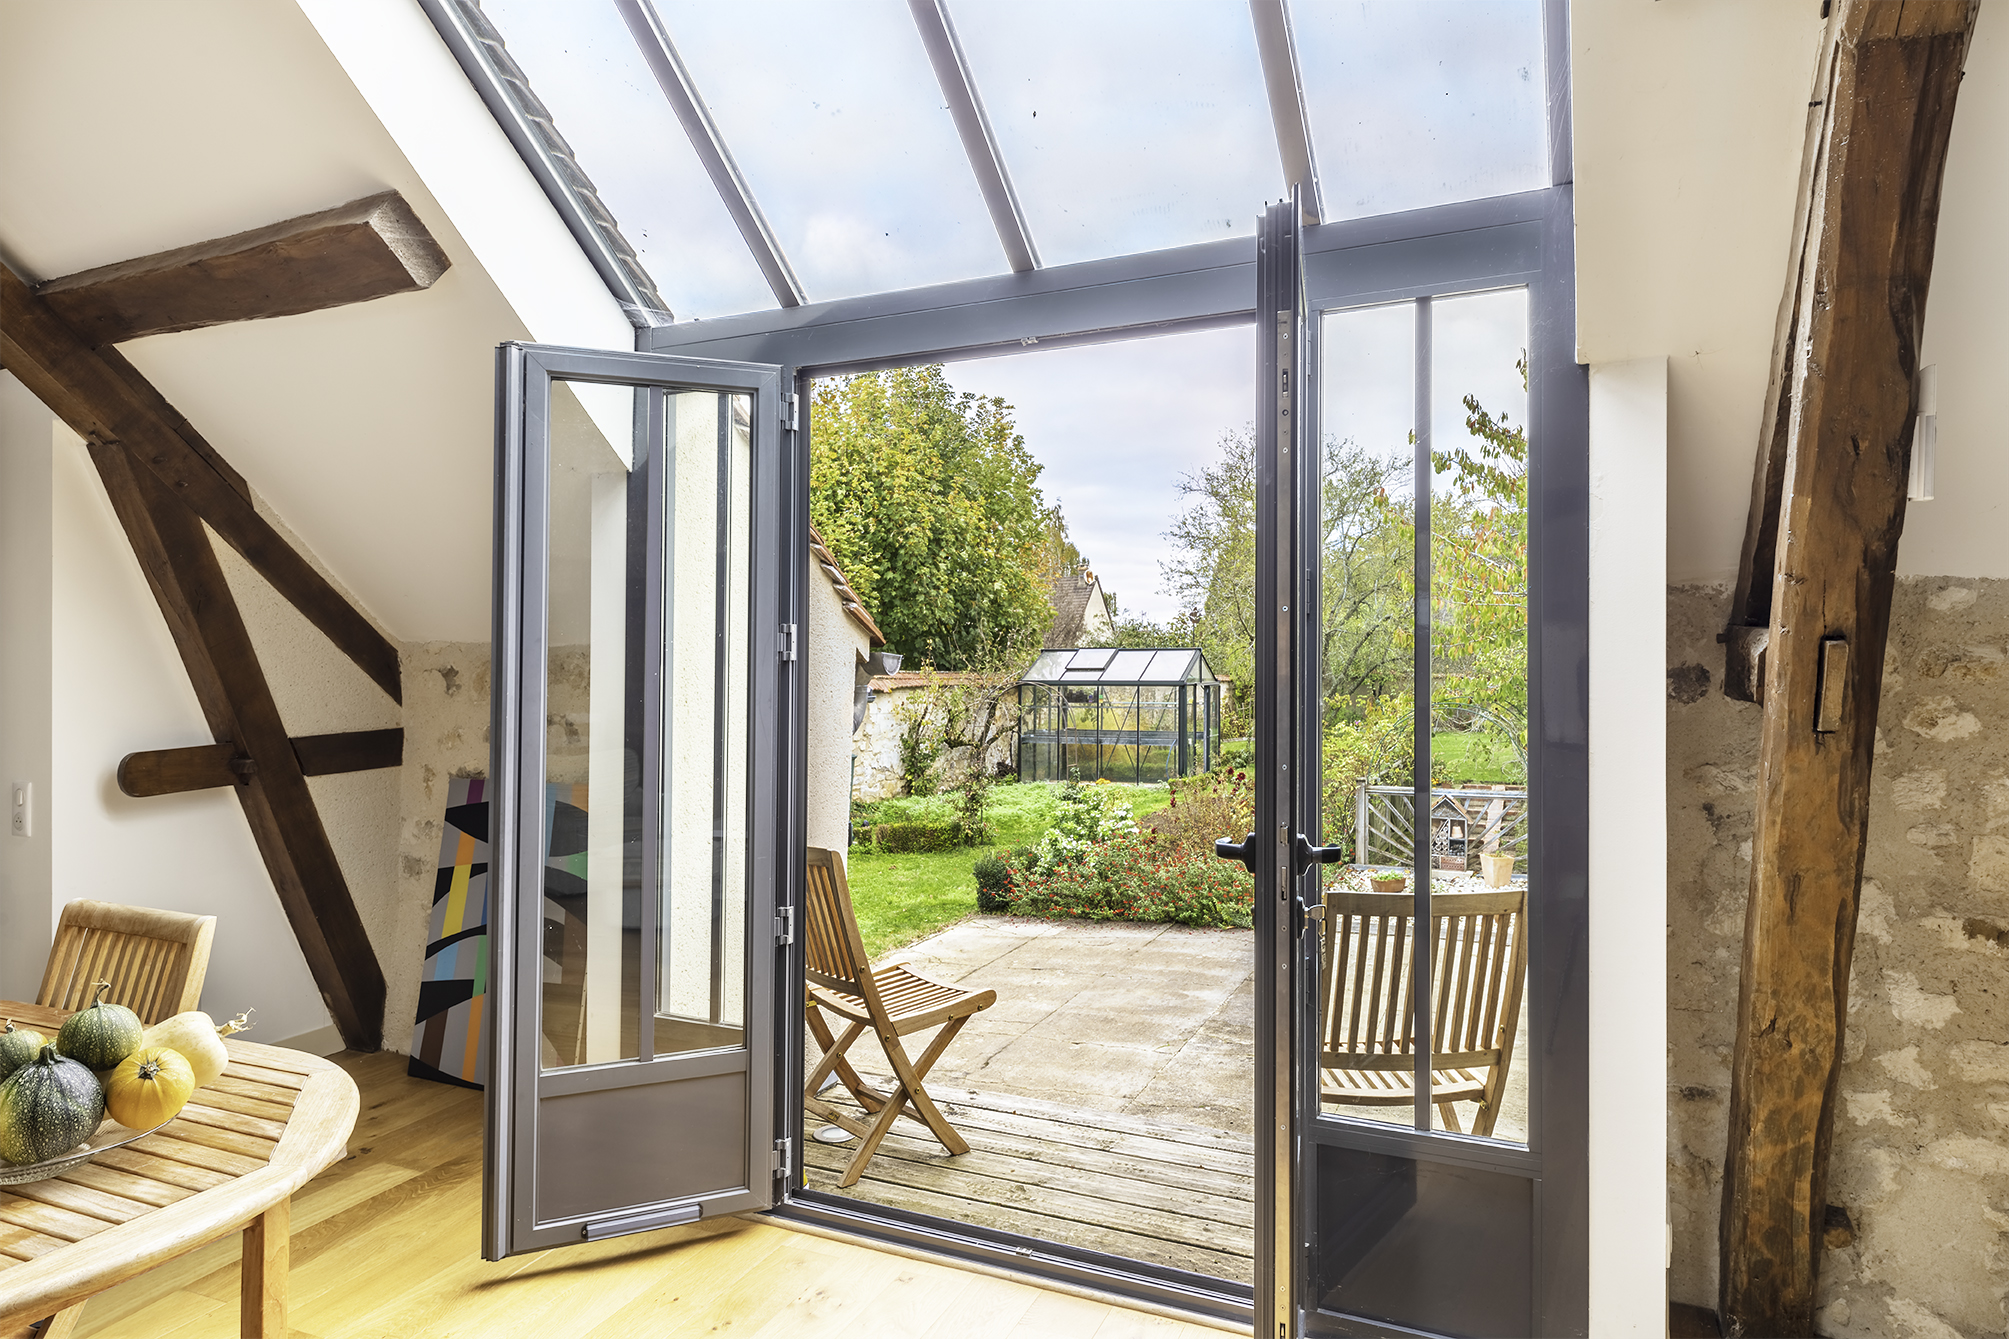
(931, 503)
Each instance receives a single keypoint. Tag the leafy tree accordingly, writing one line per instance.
(1364, 606)
(931, 503)
(958, 722)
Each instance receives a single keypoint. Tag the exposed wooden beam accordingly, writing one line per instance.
(207, 766)
(368, 248)
(106, 400)
(1848, 363)
(188, 584)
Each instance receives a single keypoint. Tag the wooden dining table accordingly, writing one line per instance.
(229, 1162)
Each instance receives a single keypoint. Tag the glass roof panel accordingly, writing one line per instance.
(1128, 667)
(1094, 658)
(1173, 665)
(582, 63)
(836, 120)
(1048, 666)
(1422, 104)
(1125, 126)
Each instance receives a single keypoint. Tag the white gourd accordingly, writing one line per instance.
(199, 1040)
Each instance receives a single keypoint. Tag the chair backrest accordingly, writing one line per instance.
(833, 950)
(155, 960)
(1478, 961)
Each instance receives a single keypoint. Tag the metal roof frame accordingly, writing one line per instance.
(652, 38)
(973, 125)
(1278, 49)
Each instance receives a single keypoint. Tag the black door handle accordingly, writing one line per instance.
(1243, 851)
(1304, 855)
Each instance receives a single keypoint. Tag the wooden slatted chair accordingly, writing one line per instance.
(892, 1001)
(1478, 962)
(155, 960)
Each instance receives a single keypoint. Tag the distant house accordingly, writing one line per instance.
(1081, 612)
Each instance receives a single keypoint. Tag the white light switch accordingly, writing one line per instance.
(24, 808)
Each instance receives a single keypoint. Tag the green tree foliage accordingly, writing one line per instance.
(1213, 571)
(932, 505)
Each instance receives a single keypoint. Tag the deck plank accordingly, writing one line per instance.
(1170, 1195)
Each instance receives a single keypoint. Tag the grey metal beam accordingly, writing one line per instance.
(1278, 50)
(1556, 63)
(1496, 242)
(661, 53)
(959, 88)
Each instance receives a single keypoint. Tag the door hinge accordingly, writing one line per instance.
(784, 925)
(788, 641)
(782, 1160)
(790, 409)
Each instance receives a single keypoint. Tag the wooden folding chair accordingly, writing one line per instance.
(892, 1001)
(1478, 962)
(155, 960)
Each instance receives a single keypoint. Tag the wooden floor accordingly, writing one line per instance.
(1150, 1190)
(386, 1245)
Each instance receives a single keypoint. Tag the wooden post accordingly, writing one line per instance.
(188, 584)
(262, 1277)
(1847, 359)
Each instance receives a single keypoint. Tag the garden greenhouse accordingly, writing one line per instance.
(1103, 714)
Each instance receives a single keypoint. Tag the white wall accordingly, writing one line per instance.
(1628, 848)
(27, 922)
(835, 642)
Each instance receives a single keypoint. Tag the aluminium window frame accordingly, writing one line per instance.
(1508, 241)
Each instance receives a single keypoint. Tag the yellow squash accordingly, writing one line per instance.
(199, 1040)
(150, 1086)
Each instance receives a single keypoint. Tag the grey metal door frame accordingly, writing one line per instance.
(517, 1082)
(1507, 241)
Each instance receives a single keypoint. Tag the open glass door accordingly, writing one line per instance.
(635, 746)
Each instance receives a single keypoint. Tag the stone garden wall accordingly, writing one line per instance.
(1921, 1149)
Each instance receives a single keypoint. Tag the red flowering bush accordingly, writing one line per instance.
(1137, 877)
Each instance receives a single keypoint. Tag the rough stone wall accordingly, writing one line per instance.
(1921, 1149)
(446, 735)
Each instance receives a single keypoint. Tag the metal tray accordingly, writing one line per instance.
(109, 1134)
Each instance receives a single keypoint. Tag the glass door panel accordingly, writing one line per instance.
(635, 737)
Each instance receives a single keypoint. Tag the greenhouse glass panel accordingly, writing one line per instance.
(1133, 716)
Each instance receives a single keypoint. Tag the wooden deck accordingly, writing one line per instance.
(1164, 1193)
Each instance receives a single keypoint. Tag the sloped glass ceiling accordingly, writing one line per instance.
(836, 120)
(1414, 103)
(1124, 126)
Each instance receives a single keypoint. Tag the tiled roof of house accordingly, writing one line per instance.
(845, 595)
(563, 160)
(1071, 593)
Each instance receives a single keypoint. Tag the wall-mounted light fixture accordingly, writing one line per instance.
(1925, 435)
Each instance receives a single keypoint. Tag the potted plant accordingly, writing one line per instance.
(1499, 868)
(1386, 883)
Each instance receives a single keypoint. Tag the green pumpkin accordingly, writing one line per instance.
(101, 1036)
(18, 1045)
(48, 1107)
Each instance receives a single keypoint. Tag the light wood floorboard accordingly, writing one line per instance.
(387, 1245)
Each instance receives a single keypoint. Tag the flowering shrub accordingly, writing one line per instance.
(1087, 815)
(1135, 876)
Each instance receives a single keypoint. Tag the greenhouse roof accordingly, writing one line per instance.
(1109, 665)
(773, 153)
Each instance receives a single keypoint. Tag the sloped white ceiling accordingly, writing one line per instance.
(130, 128)
(1689, 123)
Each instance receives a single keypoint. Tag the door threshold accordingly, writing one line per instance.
(1092, 1275)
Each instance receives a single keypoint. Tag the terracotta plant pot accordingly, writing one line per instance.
(1499, 869)
(1392, 884)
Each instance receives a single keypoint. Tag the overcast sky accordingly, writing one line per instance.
(1127, 125)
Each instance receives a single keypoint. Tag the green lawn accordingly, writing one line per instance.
(1451, 758)
(901, 898)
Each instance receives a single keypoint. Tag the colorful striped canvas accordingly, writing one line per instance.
(450, 1041)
